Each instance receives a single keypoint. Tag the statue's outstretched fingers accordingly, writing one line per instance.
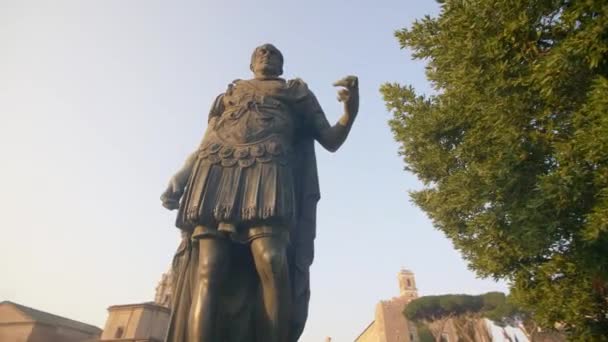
(348, 82)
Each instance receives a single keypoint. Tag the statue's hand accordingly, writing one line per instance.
(349, 94)
(174, 192)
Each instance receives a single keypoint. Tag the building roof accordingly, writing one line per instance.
(148, 305)
(50, 319)
(369, 326)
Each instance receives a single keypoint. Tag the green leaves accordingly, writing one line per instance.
(513, 149)
(431, 308)
(463, 310)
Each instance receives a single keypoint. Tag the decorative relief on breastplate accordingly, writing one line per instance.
(252, 115)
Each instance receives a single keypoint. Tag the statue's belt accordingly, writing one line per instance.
(245, 155)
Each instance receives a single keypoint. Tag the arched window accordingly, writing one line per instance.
(119, 332)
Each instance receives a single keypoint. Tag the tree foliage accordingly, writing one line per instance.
(463, 310)
(424, 333)
(513, 147)
(432, 308)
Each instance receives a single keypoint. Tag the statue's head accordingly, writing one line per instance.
(266, 61)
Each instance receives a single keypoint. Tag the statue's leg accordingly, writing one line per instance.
(269, 254)
(212, 265)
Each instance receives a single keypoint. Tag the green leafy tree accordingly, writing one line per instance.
(432, 313)
(513, 147)
(424, 334)
(462, 310)
(504, 312)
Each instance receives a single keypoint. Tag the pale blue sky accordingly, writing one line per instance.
(101, 101)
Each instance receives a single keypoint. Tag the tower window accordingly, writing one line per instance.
(409, 283)
(119, 332)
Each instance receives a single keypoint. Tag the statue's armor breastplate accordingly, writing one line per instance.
(255, 111)
(256, 124)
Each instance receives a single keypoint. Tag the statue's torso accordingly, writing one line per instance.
(254, 111)
(257, 124)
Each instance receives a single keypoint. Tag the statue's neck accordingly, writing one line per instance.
(267, 78)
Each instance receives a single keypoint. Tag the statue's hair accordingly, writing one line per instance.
(270, 47)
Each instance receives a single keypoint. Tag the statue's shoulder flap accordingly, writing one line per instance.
(298, 89)
(231, 86)
(297, 83)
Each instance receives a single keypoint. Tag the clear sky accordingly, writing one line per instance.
(101, 101)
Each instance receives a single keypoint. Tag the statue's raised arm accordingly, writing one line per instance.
(330, 137)
(333, 137)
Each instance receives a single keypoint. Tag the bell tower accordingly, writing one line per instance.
(407, 284)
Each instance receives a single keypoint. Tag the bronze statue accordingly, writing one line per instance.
(246, 201)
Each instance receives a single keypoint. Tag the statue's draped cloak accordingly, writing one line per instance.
(240, 300)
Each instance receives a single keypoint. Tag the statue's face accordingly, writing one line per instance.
(267, 60)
